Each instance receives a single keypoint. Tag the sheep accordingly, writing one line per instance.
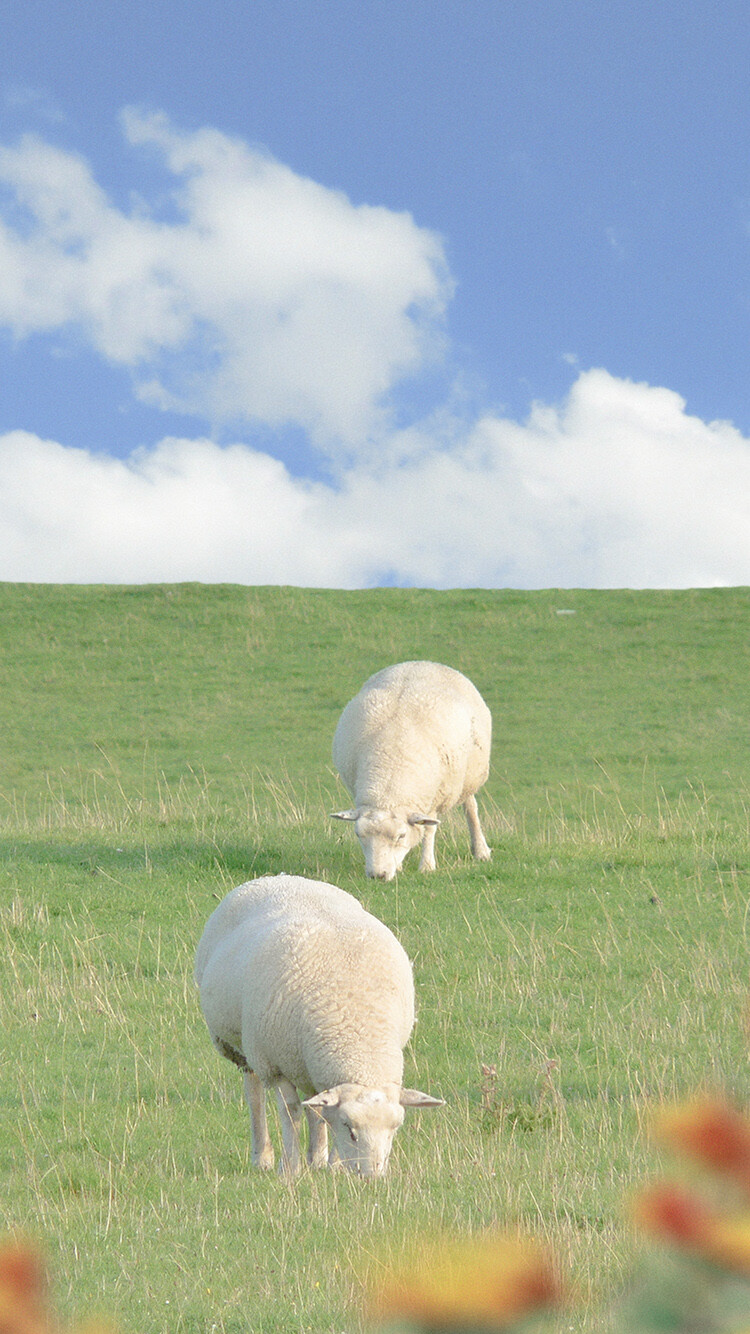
(308, 993)
(413, 743)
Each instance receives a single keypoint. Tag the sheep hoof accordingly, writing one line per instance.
(288, 1171)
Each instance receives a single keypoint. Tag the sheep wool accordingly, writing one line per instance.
(412, 744)
(308, 993)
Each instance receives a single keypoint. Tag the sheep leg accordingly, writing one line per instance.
(255, 1097)
(290, 1114)
(478, 842)
(427, 859)
(317, 1139)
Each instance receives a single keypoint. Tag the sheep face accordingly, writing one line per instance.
(364, 1120)
(385, 838)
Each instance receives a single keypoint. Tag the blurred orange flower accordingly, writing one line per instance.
(680, 1218)
(23, 1289)
(24, 1307)
(485, 1283)
(711, 1131)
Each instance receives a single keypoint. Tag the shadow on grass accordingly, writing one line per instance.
(162, 856)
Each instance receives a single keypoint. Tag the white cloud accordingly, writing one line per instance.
(264, 296)
(618, 486)
(251, 294)
(187, 509)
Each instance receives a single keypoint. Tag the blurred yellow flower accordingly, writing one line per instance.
(730, 1242)
(485, 1283)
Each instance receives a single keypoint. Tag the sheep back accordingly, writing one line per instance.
(300, 980)
(416, 736)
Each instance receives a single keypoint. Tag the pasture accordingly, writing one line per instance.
(159, 745)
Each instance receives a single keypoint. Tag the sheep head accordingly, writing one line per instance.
(386, 837)
(363, 1122)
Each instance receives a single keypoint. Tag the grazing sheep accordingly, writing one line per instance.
(306, 992)
(411, 745)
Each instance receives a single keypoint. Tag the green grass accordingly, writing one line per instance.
(159, 745)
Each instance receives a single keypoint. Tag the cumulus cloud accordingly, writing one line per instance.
(186, 509)
(617, 486)
(248, 294)
(258, 295)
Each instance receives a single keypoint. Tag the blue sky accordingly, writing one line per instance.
(450, 293)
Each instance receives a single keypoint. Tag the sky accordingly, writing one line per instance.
(437, 293)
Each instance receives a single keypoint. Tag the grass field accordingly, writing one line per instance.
(161, 744)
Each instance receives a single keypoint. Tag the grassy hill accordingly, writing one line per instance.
(159, 745)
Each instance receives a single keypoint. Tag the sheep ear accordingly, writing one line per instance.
(422, 819)
(343, 815)
(328, 1098)
(413, 1098)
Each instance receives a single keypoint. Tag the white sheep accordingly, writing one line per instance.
(411, 745)
(308, 993)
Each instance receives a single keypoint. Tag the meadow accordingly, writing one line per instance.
(161, 744)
